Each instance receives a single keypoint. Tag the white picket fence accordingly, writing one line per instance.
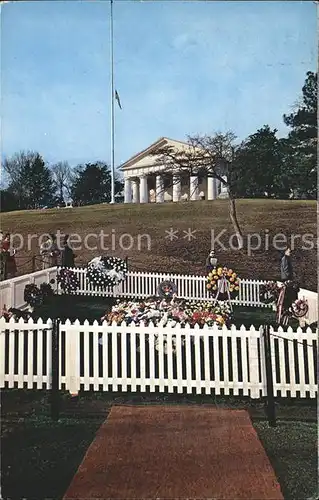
(153, 358)
(145, 284)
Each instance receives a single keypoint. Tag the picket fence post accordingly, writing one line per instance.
(72, 353)
(253, 363)
(55, 375)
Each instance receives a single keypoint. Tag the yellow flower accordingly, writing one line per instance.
(220, 320)
(236, 287)
(219, 272)
(214, 287)
(215, 277)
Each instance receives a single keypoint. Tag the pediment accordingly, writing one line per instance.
(145, 158)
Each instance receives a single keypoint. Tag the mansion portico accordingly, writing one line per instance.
(147, 181)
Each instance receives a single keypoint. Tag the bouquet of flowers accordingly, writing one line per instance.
(224, 278)
(68, 280)
(169, 313)
(208, 313)
(269, 292)
(166, 289)
(104, 272)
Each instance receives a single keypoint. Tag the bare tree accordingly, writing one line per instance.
(62, 178)
(212, 156)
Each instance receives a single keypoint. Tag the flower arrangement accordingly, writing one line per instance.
(36, 296)
(104, 272)
(229, 279)
(206, 318)
(207, 313)
(166, 289)
(169, 313)
(269, 292)
(32, 295)
(67, 280)
(299, 308)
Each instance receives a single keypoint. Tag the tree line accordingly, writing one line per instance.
(35, 184)
(262, 166)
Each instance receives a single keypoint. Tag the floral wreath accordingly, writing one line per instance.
(103, 272)
(299, 308)
(32, 295)
(166, 289)
(68, 280)
(231, 282)
(269, 292)
(35, 296)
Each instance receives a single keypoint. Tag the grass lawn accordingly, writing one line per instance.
(292, 449)
(154, 252)
(40, 457)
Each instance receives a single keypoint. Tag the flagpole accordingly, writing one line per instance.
(112, 109)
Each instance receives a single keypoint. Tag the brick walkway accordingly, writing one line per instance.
(175, 452)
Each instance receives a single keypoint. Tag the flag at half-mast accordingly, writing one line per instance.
(117, 97)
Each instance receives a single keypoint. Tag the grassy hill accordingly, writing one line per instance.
(150, 248)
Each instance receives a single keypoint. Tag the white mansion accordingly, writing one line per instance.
(146, 181)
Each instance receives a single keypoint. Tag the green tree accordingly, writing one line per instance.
(92, 184)
(302, 140)
(258, 168)
(31, 180)
(8, 201)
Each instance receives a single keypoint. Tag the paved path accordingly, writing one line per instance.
(175, 452)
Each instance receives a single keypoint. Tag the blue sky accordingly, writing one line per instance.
(180, 68)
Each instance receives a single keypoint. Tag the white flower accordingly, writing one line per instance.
(95, 262)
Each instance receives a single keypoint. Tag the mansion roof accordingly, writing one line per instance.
(145, 158)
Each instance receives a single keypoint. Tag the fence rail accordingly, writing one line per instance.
(156, 358)
(145, 284)
(12, 290)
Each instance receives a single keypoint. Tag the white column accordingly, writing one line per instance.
(217, 187)
(211, 188)
(193, 187)
(159, 189)
(127, 191)
(135, 189)
(177, 188)
(143, 189)
(223, 188)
